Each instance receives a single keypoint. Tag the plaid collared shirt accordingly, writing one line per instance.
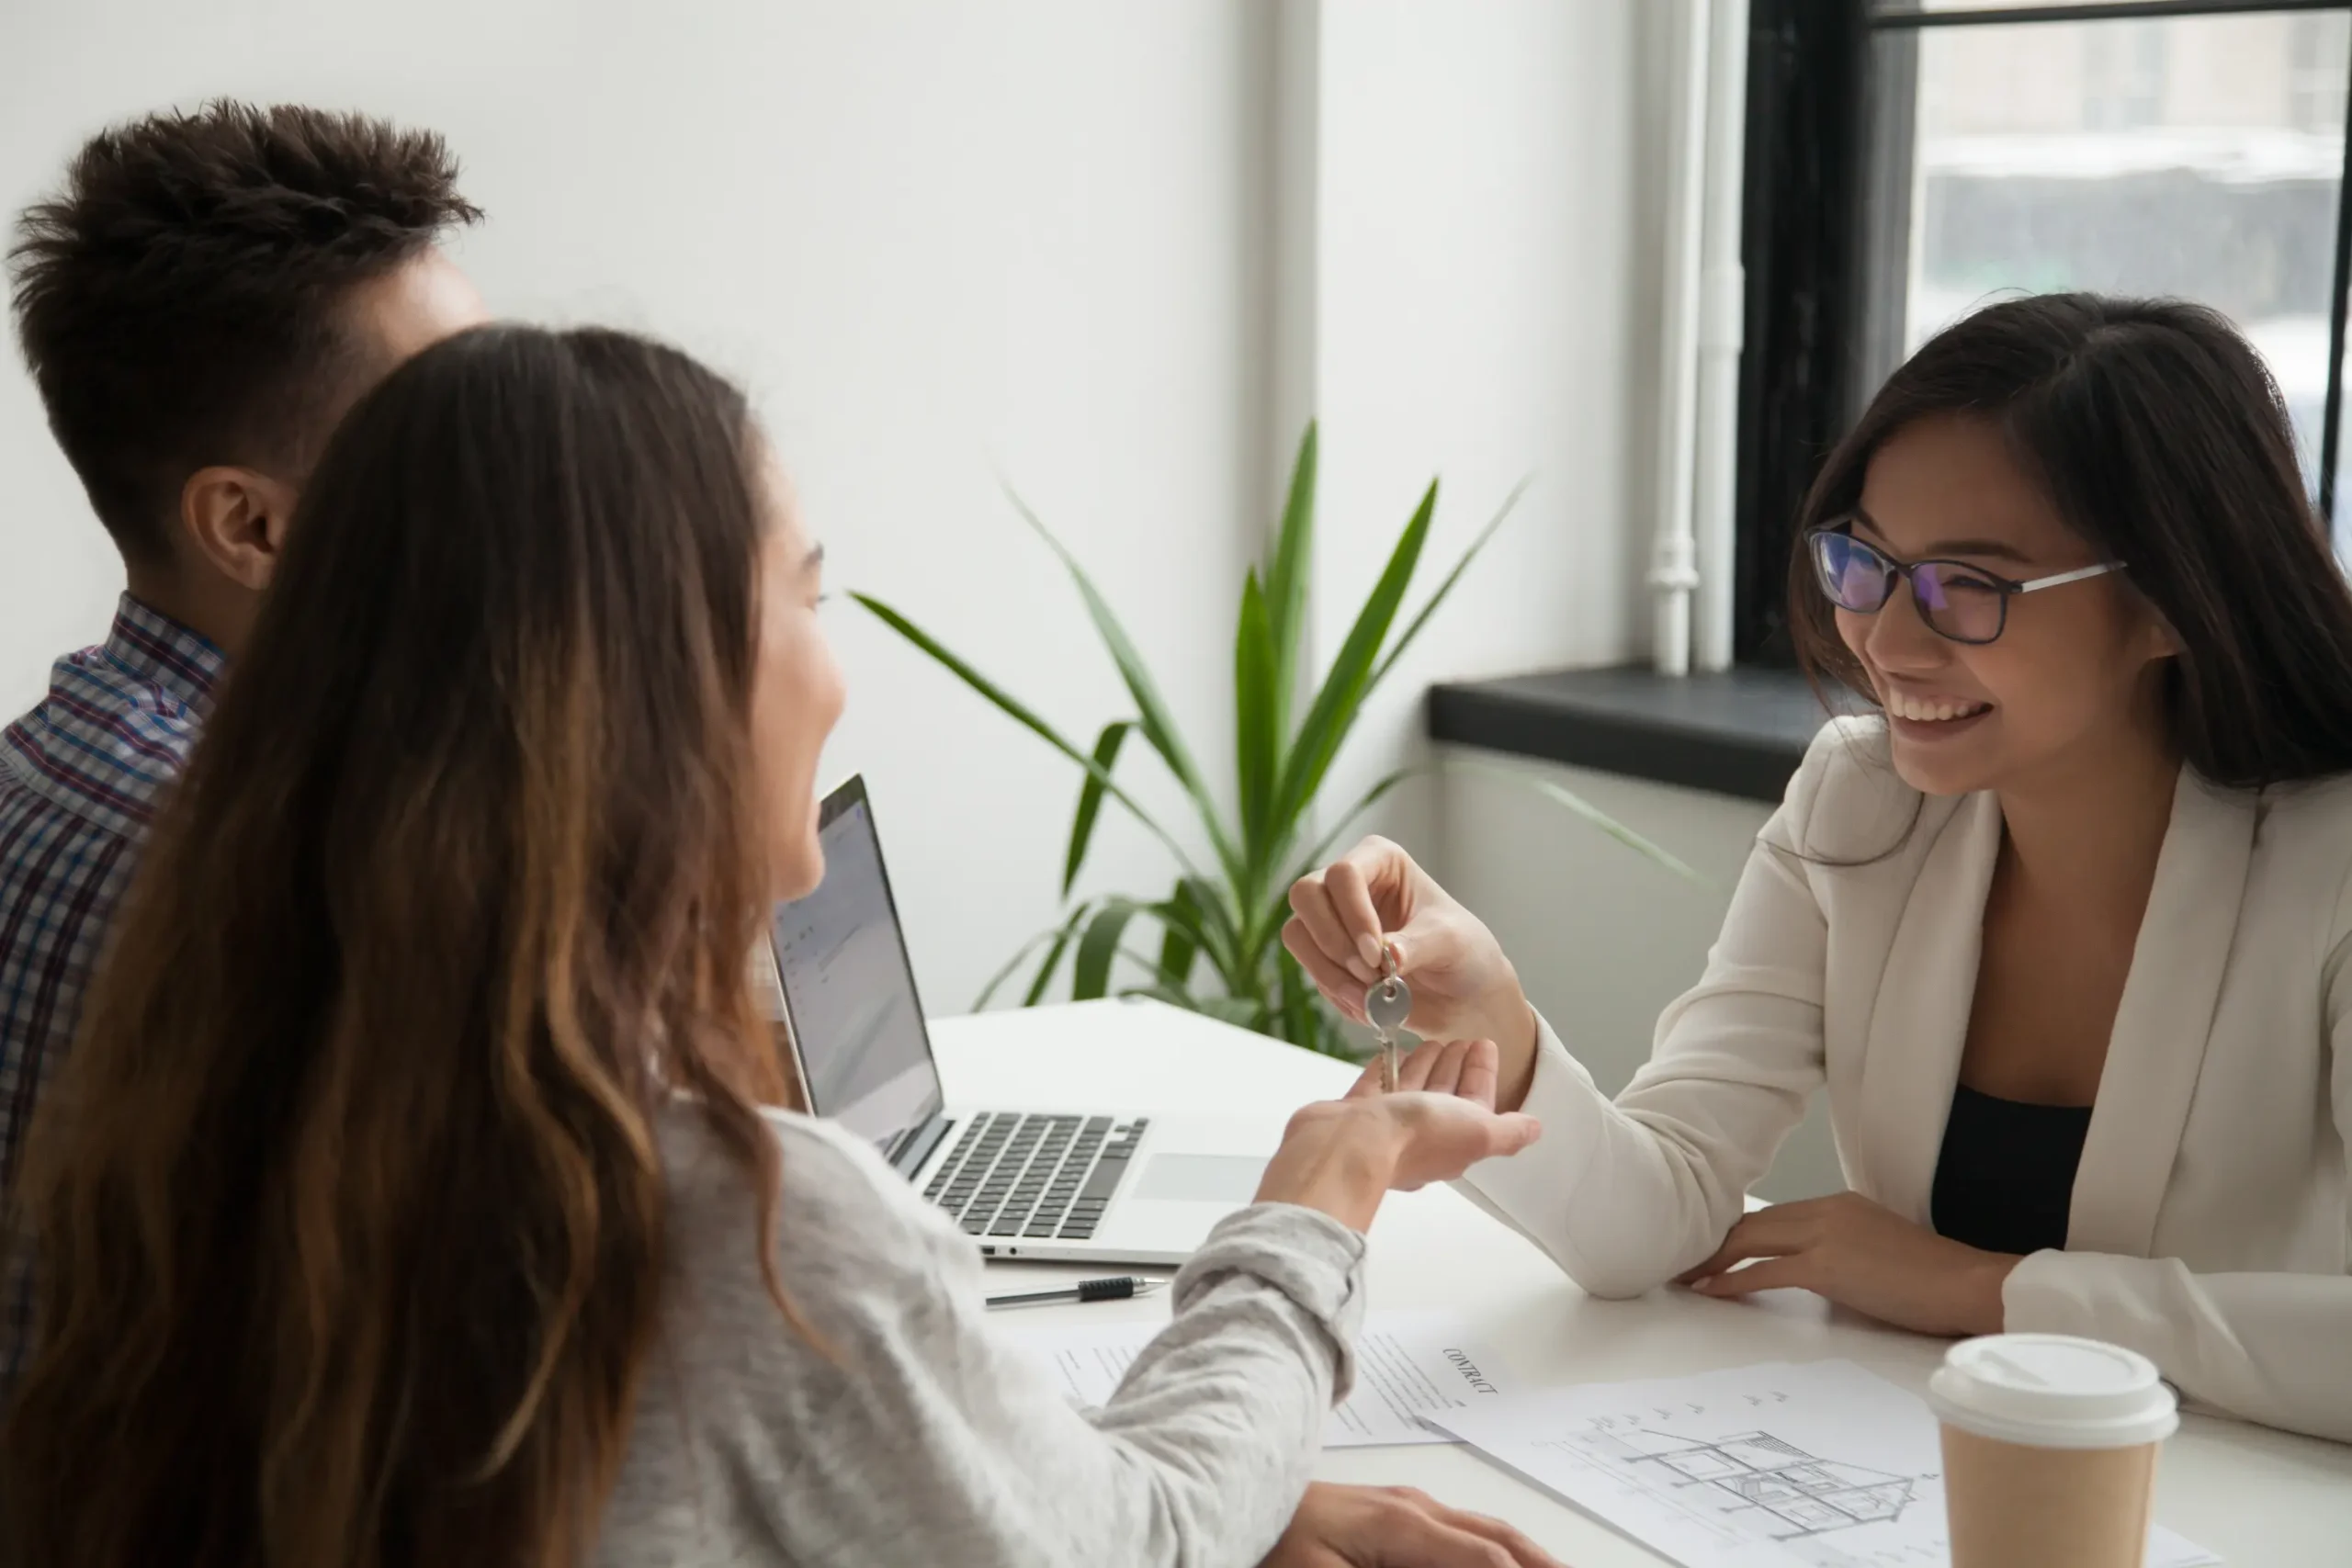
(80, 776)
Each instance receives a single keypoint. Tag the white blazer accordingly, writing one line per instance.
(2209, 1221)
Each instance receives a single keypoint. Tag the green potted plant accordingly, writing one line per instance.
(1219, 926)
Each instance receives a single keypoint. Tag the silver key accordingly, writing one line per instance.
(1388, 1004)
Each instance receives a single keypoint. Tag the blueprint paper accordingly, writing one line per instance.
(1812, 1465)
(1407, 1365)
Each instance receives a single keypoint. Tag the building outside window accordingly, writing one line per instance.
(1959, 154)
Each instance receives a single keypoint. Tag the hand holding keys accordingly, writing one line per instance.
(1388, 1004)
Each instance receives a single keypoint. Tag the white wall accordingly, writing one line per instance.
(933, 237)
(1603, 938)
(1487, 241)
(1116, 251)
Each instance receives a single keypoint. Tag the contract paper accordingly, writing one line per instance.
(1407, 1365)
(1813, 1465)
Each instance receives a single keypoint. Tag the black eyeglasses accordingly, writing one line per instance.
(1964, 604)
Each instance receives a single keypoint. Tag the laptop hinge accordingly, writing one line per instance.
(916, 1146)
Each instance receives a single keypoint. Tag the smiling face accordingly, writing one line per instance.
(2073, 674)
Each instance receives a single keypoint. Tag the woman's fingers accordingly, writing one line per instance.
(1518, 1551)
(1465, 1069)
(1444, 1136)
(1445, 1067)
(1481, 1073)
(1771, 1274)
(1513, 1131)
(1338, 984)
(1735, 1249)
(1417, 1070)
(1767, 1232)
(1396, 1526)
(1318, 906)
(1421, 1539)
(1350, 892)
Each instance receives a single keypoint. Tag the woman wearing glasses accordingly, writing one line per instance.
(2065, 927)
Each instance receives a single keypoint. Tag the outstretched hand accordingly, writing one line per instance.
(1464, 1068)
(1339, 1155)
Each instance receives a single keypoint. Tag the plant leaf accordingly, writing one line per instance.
(1235, 1011)
(1180, 918)
(1019, 713)
(1054, 957)
(1413, 628)
(1256, 743)
(988, 991)
(1090, 799)
(1286, 578)
(1239, 1012)
(1159, 992)
(1313, 860)
(1274, 907)
(1300, 1024)
(1592, 815)
(1341, 697)
(1215, 929)
(1091, 972)
(1152, 716)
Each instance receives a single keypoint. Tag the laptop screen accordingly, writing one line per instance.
(849, 991)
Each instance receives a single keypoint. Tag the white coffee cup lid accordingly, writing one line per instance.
(2053, 1390)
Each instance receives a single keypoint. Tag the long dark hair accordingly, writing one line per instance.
(347, 1208)
(2162, 439)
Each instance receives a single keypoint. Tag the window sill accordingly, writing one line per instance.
(1741, 733)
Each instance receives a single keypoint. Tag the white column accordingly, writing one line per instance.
(1674, 566)
(1723, 297)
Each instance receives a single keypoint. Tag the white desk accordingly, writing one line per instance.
(2252, 1496)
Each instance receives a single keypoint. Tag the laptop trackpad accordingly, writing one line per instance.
(1201, 1178)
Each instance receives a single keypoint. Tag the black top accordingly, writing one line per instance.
(2006, 1177)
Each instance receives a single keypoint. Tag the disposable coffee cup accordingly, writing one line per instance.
(2050, 1447)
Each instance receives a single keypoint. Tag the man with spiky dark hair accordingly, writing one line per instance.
(199, 303)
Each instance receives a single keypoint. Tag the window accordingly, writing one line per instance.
(1910, 161)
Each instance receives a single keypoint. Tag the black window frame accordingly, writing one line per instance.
(1808, 211)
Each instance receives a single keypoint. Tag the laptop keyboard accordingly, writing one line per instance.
(1034, 1176)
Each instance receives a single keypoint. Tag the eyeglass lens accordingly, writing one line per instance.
(1964, 606)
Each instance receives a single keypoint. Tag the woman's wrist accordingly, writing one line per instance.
(1982, 1307)
(1340, 1157)
(1509, 1022)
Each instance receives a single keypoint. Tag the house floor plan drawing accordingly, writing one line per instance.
(1792, 1491)
(1813, 1465)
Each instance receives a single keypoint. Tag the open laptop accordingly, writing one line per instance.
(1093, 1185)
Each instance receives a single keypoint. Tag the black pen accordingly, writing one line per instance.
(1117, 1289)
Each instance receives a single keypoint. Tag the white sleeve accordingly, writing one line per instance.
(1625, 1196)
(2275, 1349)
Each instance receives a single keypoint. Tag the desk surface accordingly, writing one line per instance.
(2255, 1497)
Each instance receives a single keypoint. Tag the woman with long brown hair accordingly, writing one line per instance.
(409, 1199)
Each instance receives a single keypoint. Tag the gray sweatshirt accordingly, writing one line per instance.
(918, 1440)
